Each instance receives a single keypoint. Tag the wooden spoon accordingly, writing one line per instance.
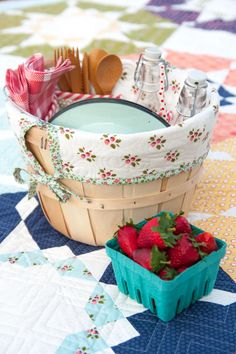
(94, 57)
(109, 70)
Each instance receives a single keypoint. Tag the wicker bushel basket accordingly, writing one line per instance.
(162, 177)
(107, 206)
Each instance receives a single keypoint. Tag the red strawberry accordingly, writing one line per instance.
(150, 258)
(181, 224)
(148, 238)
(182, 269)
(127, 239)
(157, 232)
(167, 273)
(207, 243)
(183, 253)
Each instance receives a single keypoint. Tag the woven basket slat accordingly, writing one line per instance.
(175, 204)
(54, 213)
(137, 190)
(95, 222)
(188, 196)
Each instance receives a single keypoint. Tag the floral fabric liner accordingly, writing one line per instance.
(123, 158)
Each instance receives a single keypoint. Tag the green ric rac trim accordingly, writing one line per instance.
(139, 179)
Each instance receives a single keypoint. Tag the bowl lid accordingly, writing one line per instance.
(107, 115)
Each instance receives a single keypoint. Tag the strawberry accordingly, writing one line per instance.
(127, 239)
(207, 243)
(167, 273)
(181, 224)
(181, 269)
(157, 231)
(148, 238)
(150, 258)
(183, 253)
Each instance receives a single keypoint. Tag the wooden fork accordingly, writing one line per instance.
(64, 81)
(76, 73)
(85, 74)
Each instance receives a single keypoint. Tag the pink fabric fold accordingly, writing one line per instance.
(17, 87)
(33, 87)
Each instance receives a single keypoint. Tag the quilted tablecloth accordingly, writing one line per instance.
(60, 296)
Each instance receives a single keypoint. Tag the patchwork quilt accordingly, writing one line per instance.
(60, 296)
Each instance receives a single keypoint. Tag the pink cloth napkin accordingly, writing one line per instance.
(17, 87)
(33, 87)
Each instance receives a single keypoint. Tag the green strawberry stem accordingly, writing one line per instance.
(128, 223)
(158, 259)
(197, 246)
(165, 229)
(167, 215)
(171, 273)
(178, 214)
(170, 229)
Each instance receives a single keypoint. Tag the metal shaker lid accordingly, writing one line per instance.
(152, 53)
(197, 77)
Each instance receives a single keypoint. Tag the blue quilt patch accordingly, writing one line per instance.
(47, 237)
(9, 216)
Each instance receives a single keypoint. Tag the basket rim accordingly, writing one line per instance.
(209, 109)
(115, 101)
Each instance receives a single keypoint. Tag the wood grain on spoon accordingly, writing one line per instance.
(94, 58)
(109, 70)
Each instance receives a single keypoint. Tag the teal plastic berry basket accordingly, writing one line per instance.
(164, 298)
